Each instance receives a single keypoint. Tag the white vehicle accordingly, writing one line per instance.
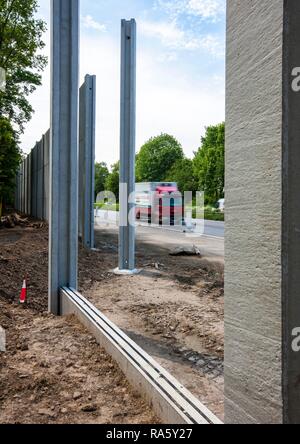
(221, 205)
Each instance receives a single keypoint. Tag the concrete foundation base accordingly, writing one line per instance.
(119, 272)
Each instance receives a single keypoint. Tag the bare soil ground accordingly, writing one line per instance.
(174, 309)
(53, 371)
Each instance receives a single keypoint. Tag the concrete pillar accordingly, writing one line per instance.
(17, 196)
(262, 260)
(40, 179)
(87, 122)
(17, 192)
(29, 184)
(46, 139)
(63, 248)
(27, 187)
(23, 188)
(127, 144)
(20, 188)
(34, 182)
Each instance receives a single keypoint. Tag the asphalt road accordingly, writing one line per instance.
(211, 243)
(212, 228)
(208, 228)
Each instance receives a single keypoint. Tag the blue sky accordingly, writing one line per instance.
(180, 70)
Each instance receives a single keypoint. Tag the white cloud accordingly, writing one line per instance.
(181, 111)
(167, 57)
(168, 98)
(89, 23)
(213, 45)
(175, 38)
(169, 34)
(167, 101)
(207, 9)
(211, 10)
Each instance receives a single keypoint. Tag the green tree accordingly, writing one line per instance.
(112, 180)
(101, 174)
(10, 158)
(156, 158)
(182, 172)
(209, 163)
(20, 42)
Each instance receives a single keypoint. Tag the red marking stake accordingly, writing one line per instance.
(23, 294)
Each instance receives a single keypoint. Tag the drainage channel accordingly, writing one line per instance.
(169, 399)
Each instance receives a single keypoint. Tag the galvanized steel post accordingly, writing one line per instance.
(87, 115)
(127, 146)
(63, 246)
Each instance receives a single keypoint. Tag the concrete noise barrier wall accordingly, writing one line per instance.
(33, 179)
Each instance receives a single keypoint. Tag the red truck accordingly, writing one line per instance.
(159, 203)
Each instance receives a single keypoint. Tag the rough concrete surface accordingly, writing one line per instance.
(253, 212)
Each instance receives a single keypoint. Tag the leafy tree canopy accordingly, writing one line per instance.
(112, 180)
(101, 174)
(10, 158)
(209, 163)
(182, 172)
(156, 158)
(20, 43)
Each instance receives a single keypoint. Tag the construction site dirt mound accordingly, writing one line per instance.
(24, 253)
(174, 309)
(53, 372)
